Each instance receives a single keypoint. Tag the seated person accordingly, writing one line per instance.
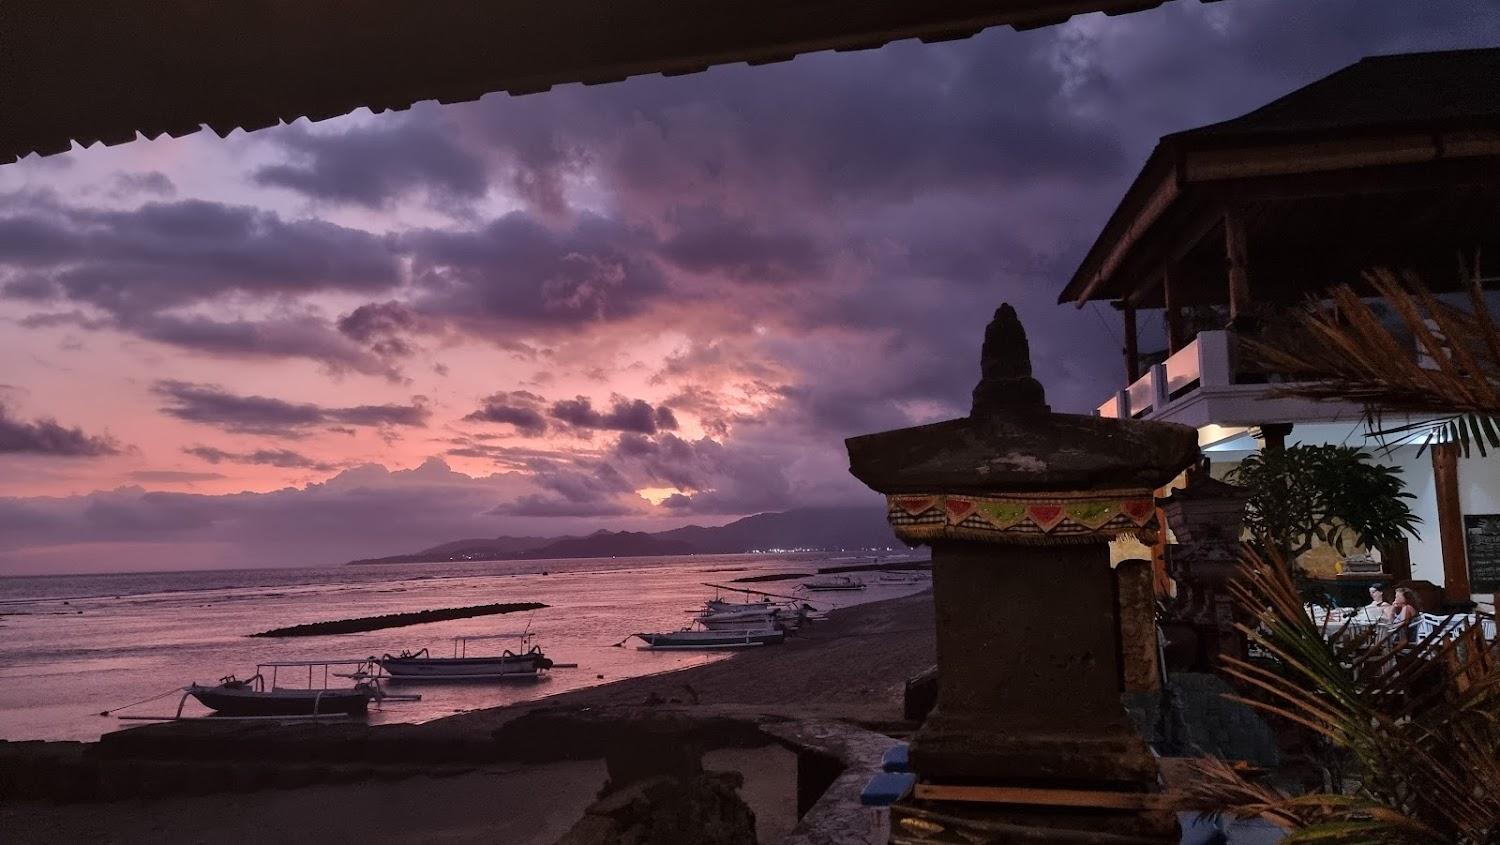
(1378, 608)
(1403, 616)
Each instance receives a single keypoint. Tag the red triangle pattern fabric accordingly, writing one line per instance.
(1024, 517)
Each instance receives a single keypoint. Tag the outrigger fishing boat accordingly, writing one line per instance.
(251, 697)
(904, 576)
(720, 615)
(689, 639)
(833, 583)
(527, 661)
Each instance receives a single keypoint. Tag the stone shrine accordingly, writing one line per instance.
(1018, 504)
(1206, 517)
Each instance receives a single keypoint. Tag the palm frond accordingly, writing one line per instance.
(1422, 721)
(1347, 353)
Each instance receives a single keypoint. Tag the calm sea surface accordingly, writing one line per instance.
(73, 645)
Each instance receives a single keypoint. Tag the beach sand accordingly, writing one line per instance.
(852, 666)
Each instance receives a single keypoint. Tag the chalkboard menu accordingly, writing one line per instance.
(1482, 538)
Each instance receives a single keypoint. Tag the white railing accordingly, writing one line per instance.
(1183, 371)
(1203, 363)
(1140, 397)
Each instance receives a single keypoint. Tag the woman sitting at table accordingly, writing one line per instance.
(1403, 616)
(1378, 609)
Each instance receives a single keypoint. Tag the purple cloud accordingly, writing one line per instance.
(633, 415)
(285, 458)
(212, 405)
(520, 408)
(47, 437)
(374, 166)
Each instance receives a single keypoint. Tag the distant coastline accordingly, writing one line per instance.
(804, 530)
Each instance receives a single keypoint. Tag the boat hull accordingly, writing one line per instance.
(707, 640)
(737, 621)
(463, 668)
(233, 701)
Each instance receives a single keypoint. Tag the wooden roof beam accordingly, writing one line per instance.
(1160, 199)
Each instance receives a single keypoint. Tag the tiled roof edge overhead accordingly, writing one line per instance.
(82, 71)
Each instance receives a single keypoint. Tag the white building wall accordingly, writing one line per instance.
(1427, 552)
(1478, 486)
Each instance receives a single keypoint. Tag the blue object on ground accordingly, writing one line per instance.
(1203, 829)
(886, 788)
(894, 759)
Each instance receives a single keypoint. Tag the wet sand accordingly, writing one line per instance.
(851, 666)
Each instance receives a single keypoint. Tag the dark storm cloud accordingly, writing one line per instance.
(520, 408)
(174, 253)
(721, 477)
(383, 327)
(634, 415)
(284, 458)
(375, 165)
(130, 267)
(518, 270)
(278, 337)
(742, 250)
(579, 489)
(212, 405)
(48, 437)
(152, 182)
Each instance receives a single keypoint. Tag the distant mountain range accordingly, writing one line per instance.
(817, 529)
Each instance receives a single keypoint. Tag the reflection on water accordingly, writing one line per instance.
(76, 645)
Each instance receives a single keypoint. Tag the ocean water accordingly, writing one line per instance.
(72, 646)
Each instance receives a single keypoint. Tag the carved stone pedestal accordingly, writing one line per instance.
(1029, 741)
(1028, 650)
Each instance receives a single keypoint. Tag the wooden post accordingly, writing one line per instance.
(1132, 350)
(1175, 334)
(1275, 435)
(1237, 261)
(1450, 523)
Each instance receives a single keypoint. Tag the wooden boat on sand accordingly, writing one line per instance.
(249, 697)
(526, 662)
(710, 640)
(833, 583)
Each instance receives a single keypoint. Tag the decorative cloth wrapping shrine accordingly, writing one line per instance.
(1019, 504)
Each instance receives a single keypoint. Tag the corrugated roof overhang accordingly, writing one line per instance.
(87, 71)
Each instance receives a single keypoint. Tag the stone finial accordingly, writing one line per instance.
(1005, 382)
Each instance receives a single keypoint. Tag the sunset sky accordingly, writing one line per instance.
(628, 306)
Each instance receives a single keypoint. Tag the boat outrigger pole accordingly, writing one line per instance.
(753, 592)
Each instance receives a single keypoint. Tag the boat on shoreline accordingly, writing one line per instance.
(528, 661)
(253, 697)
(904, 576)
(784, 613)
(249, 697)
(832, 583)
(689, 639)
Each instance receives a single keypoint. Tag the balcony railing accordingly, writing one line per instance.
(1206, 362)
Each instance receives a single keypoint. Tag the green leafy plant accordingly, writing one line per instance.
(1421, 722)
(1308, 493)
